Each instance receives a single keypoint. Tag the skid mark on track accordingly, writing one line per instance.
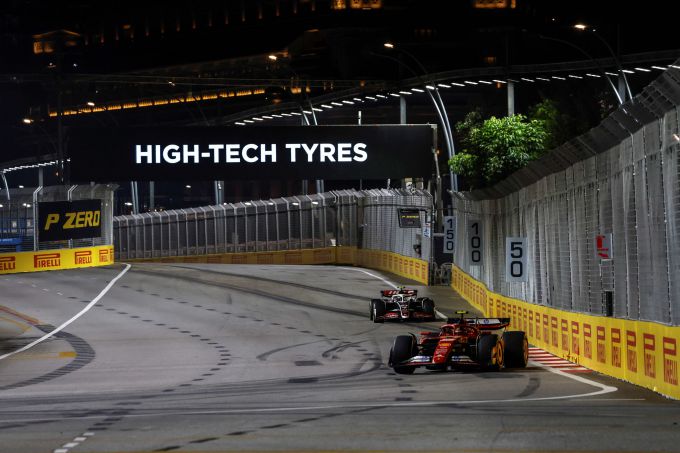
(278, 282)
(84, 354)
(56, 330)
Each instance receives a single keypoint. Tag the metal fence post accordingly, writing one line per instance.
(299, 205)
(36, 229)
(276, 216)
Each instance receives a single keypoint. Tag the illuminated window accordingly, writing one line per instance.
(128, 31)
(494, 4)
(365, 4)
(490, 60)
(339, 4)
(424, 32)
(43, 47)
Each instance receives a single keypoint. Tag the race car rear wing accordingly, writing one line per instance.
(393, 292)
(484, 323)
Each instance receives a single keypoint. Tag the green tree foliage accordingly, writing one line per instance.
(560, 125)
(494, 148)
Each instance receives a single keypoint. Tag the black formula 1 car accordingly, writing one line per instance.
(480, 342)
(401, 305)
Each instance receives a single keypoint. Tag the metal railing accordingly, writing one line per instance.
(621, 178)
(18, 214)
(366, 219)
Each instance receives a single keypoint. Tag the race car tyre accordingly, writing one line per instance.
(402, 349)
(516, 349)
(377, 310)
(428, 306)
(490, 352)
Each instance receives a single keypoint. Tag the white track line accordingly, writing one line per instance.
(603, 388)
(373, 275)
(67, 323)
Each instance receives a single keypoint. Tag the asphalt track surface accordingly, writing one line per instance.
(206, 358)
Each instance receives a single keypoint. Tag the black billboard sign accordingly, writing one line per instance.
(250, 153)
(62, 220)
(409, 218)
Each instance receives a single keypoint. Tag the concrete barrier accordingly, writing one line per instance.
(643, 353)
(58, 259)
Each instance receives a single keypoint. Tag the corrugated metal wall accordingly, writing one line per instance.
(368, 219)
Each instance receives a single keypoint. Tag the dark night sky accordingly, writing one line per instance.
(123, 36)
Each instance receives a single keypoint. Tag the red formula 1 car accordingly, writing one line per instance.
(480, 342)
(401, 305)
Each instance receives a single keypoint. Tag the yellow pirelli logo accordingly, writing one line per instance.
(105, 255)
(83, 257)
(8, 263)
(47, 260)
(670, 361)
(649, 342)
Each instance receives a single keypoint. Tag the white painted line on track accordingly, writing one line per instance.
(76, 316)
(74, 443)
(603, 388)
(345, 406)
(373, 275)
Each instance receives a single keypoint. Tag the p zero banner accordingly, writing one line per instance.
(62, 220)
(250, 153)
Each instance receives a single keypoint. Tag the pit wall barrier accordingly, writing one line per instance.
(404, 266)
(58, 259)
(640, 352)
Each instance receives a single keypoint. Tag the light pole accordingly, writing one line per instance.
(438, 105)
(319, 182)
(622, 74)
(588, 56)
